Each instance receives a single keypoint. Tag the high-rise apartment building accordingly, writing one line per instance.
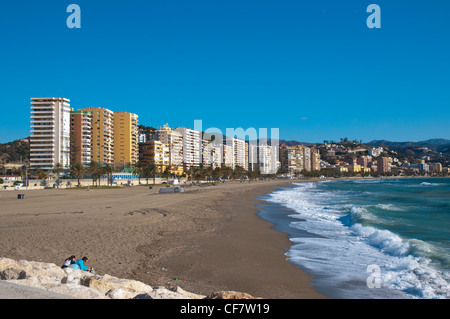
(435, 168)
(228, 155)
(315, 160)
(102, 134)
(50, 133)
(298, 158)
(239, 150)
(207, 153)
(240, 156)
(264, 158)
(364, 161)
(307, 158)
(80, 137)
(253, 160)
(175, 141)
(191, 146)
(383, 165)
(291, 158)
(126, 147)
(211, 154)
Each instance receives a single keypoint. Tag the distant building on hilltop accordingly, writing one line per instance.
(375, 152)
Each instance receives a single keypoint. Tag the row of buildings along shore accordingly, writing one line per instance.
(63, 136)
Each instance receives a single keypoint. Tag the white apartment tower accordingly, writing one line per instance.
(50, 133)
(239, 151)
(191, 146)
(175, 141)
(211, 154)
(264, 158)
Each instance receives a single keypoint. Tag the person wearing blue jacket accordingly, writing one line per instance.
(80, 263)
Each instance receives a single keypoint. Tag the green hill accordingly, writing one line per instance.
(15, 152)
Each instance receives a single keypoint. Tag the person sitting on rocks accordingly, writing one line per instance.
(69, 261)
(79, 264)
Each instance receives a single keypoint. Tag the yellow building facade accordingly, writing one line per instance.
(102, 134)
(126, 147)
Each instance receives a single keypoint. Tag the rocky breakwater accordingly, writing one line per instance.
(75, 283)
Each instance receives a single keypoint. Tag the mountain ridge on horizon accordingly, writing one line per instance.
(433, 141)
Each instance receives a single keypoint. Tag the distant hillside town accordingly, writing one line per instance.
(101, 143)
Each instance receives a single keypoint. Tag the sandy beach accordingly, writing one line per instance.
(204, 240)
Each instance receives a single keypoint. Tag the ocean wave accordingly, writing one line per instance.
(409, 267)
(390, 207)
(430, 184)
(368, 181)
(384, 240)
(352, 239)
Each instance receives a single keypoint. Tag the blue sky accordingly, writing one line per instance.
(313, 69)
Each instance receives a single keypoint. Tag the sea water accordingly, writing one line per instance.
(368, 238)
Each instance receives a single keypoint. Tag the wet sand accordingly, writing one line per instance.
(204, 240)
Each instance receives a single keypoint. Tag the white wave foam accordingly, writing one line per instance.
(430, 184)
(346, 249)
(390, 207)
(384, 240)
(367, 181)
(358, 214)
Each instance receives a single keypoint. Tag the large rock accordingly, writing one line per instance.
(22, 269)
(115, 287)
(230, 295)
(77, 291)
(12, 274)
(163, 293)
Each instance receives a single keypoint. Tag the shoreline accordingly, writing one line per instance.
(247, 254)
(203, 241)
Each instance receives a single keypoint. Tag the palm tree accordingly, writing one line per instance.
(109, 170)
(150, 170)
(208, 172)
(57, 169)
(96, 171)
(188, 171)
(253, 174)
(226, 171)
(197, 173)
(42, 174)
(76, 170)
(166, 173)
(139, 170)
(238, 172)
(22, 172)
(216, 173)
